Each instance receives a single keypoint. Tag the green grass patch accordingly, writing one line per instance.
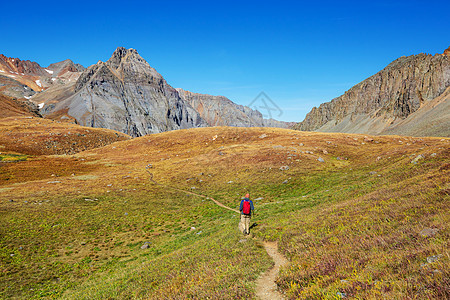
(349, 226)
(13, 157)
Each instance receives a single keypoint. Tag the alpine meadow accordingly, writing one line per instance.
(360, 216)
(222, 150)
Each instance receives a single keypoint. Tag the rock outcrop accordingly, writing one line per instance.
(221, 111)
(126, 94)
(447, 51)
(384, 103)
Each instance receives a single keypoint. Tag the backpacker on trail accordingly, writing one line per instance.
(246, 208)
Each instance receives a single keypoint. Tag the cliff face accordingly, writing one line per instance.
(127, 95)
(221, 111)
(386, 99)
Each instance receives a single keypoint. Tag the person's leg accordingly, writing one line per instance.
(247, 224)
(242, 224)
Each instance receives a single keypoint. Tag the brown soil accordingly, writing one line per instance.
(266, 288)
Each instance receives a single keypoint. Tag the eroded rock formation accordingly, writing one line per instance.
(383, 102)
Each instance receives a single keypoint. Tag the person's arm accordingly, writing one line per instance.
(240, 206)
(252, 207)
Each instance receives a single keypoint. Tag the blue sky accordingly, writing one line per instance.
(300, 53)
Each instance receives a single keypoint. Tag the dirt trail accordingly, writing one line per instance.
(266, 287)
(191, 193)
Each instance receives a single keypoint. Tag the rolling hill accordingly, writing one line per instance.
(356, 216)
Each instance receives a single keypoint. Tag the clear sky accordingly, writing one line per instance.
(300, 53)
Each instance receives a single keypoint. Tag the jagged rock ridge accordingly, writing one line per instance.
(24, 78)
(24, 67)
(126, 94)
(384, 102)
(221, 111)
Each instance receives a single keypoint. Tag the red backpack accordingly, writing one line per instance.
(246, 207)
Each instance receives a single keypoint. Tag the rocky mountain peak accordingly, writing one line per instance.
(64, 66)
(122, 54)
(128, 65)
(126, 94)
(125, 65)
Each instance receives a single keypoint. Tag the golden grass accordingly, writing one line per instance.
(349, 225)
(37, 136)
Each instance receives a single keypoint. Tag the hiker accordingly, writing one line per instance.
(246, 208)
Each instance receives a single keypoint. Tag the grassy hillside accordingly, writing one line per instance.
(38, 136)
(12, 107)
(369, 219)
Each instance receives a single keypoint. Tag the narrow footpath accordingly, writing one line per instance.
(266, 288)
(191, 193)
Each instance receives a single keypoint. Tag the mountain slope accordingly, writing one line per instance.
(65, 66)
(24, 78)
(221, 111)
(383, 103)
(432, 119)
(23, 67)
(11, 107)
(127, 95)
(12, 87)
(124, 93)
(24, 71)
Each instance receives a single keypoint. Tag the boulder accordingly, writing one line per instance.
(428, 232)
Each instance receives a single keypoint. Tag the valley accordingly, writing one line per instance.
(132, 134)
(354, 215)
